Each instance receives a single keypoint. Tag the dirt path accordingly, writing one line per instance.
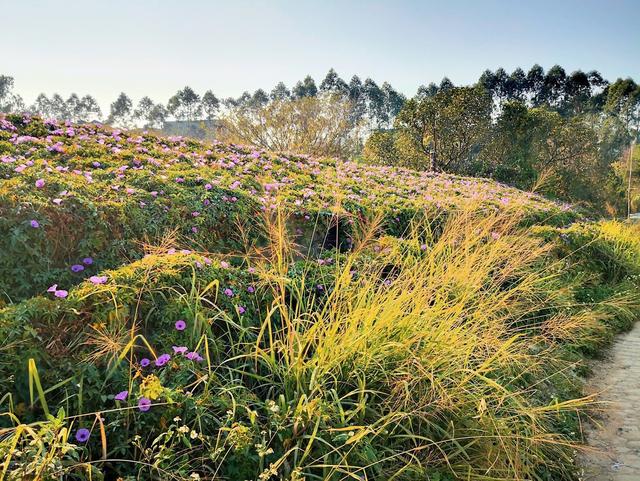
(617, 438)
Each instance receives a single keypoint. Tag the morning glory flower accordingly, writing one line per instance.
(228, 292)
(35, 224)
(162, 360)
(87, 261)
(144, 404)
(181, 325)
(121, 396)
(98, 279)
(77, 268)
(144, 362)
(40, 183)
(180, 349)
(194, 356)
(82, 435)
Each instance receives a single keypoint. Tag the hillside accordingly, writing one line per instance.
(72, 192)
(173, 310)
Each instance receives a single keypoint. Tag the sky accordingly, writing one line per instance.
(155, 47)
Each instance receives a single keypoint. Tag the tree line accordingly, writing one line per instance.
(379, 104)
(564, 134)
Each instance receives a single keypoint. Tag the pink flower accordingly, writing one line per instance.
(181, 325)
(35, 224)
(180, 349)
(194, 356)
(121, 396)
(98, 279)
(144, 404)
(40, 183)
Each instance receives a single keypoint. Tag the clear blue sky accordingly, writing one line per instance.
(156, 47)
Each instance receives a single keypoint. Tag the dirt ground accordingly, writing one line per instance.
(615, 436)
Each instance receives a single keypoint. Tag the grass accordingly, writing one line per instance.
(439, 356)
(343, 340)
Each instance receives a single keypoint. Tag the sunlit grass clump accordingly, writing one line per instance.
(448, 354)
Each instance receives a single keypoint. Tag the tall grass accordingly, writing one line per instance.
(427, 352)
(437, 356)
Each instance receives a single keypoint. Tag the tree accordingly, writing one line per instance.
(306, 88)
(332, 83)
(516, 86)
(73, 107)
(445, 84)
(157, 117)
(143, 110)
(394, 147)
(449, 127)
(375, 100)
(319, 126)
(89, 109)
(210, 105)
(59, 108)
(120, 112)
(259, 98)
(42, 107)
(574, 154)
(623, 101)
(280, 92)
(578, 92)
(393, 101)
(535, 84)
(553, 88)
(357, 98)
(9, 102)
(185, 105)
(427, 90)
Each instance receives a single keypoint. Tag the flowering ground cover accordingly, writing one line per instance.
(177, 311)
(75, 192)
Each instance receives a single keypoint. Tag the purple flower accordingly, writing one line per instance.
(251, 289)
(181, 325)
(40, 183)
(180, 349)
(77, 268)
(194, 356)
(162, 360)
(228, 292)
(35, 224)
(121, 396)
(208, 186)
(82, 435)
(224, 264)
(144, 362)
(144, 404)
(61, 293)
(87, 261)
(98, 279)
(241, 310)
